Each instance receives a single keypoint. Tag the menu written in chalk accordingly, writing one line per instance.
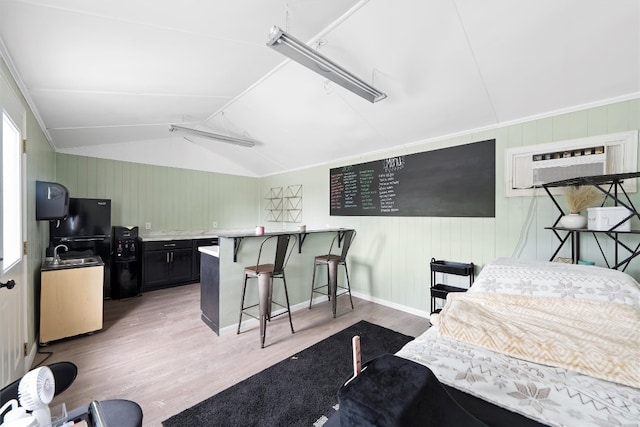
(451, 182)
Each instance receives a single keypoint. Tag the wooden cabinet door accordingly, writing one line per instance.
(181, 261)
(156, 269)
(71, 302)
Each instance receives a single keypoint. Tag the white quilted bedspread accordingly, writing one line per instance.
(550, 394)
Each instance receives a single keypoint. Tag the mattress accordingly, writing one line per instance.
(544, 392)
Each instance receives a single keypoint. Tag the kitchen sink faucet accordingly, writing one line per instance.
(56, 257)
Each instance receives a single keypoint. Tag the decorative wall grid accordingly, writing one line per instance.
(284, 204)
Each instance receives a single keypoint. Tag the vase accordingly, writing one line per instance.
(574, 221)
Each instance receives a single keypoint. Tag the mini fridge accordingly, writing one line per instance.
(86, 231)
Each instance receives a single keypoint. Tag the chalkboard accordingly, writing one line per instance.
(451, 182)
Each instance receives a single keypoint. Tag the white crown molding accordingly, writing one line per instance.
(4, 54)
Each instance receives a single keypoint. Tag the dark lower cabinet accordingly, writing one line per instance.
(210, 292)
(211, 241)
(167, 263)
(181, 265)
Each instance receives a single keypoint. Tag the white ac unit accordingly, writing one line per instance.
(550, 170)
(527, 168)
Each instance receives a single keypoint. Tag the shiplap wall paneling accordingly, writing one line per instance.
(415, 260)
(118, 202)
(198, 195)
(167, 198)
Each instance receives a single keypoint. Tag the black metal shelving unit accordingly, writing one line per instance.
(440, 290)
(611, 187)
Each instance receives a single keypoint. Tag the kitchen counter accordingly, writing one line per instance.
(222, 272)
(239, 235)
(210, 250)
(159, 236)
(63, 264)
(252, 232)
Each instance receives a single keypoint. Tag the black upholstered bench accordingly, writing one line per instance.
(393, 391)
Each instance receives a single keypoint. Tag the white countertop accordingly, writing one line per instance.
(157, 236)
(267, 233)
(210, 250)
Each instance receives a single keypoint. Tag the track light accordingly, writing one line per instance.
(223, 138)
(310, 58)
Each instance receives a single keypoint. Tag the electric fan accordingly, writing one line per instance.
(35, 391)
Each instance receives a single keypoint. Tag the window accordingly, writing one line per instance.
(11, 194)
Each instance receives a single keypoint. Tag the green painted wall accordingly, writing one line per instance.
(390, 257)
(171, 199)
(40, 167)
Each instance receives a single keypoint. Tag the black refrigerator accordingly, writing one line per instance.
(86, 231)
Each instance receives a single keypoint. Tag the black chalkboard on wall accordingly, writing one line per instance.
(451, 182)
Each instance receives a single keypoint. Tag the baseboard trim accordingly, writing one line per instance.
(251, 323)
(396, 306)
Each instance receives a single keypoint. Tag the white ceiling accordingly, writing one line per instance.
(107, 78)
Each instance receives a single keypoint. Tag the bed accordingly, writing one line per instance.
(558, 344)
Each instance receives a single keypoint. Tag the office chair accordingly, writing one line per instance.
(117, 412)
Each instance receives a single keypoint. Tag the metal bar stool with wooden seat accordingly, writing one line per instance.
(332, 261)
(265, 273)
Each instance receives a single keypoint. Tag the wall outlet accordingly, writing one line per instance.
(214, 224)
(147, 226)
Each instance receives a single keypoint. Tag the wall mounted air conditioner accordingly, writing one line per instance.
(566, 164)
(527, 168)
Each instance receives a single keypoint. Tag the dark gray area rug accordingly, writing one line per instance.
(296, 391)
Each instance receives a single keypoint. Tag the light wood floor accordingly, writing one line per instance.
(156, 351)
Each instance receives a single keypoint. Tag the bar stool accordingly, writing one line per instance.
(332, 261)
(265, 273)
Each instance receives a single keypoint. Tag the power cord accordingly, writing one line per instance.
(47, 354)
(524, 232)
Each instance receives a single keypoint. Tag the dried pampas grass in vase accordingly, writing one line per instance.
(579, 198)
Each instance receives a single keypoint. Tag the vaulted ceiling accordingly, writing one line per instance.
(107, 78)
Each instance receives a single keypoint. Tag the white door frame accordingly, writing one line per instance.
(13, 331)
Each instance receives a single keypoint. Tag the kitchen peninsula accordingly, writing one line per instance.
(221, 271)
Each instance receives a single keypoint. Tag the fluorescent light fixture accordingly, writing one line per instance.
(301, 53)
(203, 134)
